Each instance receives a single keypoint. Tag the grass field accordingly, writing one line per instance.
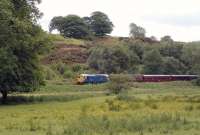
(64, 109)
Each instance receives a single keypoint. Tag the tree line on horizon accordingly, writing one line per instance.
(73, 26)
(96, 25)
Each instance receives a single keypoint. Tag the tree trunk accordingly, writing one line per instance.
(4, 96)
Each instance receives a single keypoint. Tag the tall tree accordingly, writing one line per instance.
(70, 26)
(56, 23)
(137, 31)
(110, 59)
(101, 24)
(21, 40)
(173, 66)
(167, 40)
(153, 62)
(172, 50)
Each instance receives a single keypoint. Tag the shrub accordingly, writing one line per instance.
(197, 81)
(118, 83)
(173, 66)
(153, 62)
(62, 70)
(110, 59)
(76, 68)
(68, 74)
(60, 67)
(49, 74)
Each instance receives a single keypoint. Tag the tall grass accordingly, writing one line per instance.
(15, 100)
(135, 125)
(61, 108)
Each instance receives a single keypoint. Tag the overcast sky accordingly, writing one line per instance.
(178, 18)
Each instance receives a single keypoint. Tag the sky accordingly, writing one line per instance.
(178, 18)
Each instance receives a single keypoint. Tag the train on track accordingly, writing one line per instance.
(164, 78)
(92, 78)
(103, 78)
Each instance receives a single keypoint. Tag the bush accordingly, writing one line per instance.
(49, 74)
(68, 74)
(60, 68)
(153, 62)
(76, 68)
(110, 59)
(197, 81)
(118, 83)
(172, 65)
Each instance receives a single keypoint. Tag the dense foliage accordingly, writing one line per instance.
(153, 62)
(140, 57)
(101, 24)
(70, 26)
(21, 40)
(118, 83)
(98, 24)
(114, 59)
(137, 31)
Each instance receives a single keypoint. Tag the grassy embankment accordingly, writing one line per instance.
(146, 109)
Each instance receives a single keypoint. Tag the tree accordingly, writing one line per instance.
(109, 59)
(118, 83)
(167, 40)
(70, 26)
(101, 24)
(153, 38)
(73, 26)
(56, 23)
(173, 66)
(137, 31)
(169, 50)
(21, 41)
(191, 58)
(137, 47)
(153, 62)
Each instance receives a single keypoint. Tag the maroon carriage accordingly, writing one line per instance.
(165, 78)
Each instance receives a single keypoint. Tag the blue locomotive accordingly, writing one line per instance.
(92, 78)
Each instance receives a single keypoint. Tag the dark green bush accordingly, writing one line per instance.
(49, 74)
(111, 59)
(196, 82)
(76, 68)
(68, 74)
(118, 83)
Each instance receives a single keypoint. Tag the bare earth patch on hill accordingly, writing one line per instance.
(67, 53)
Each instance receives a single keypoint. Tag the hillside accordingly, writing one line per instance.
(67, 53)
(75, 51)
(72, 51)
(114, 55)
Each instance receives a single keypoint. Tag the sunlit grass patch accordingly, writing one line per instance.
(69, 41)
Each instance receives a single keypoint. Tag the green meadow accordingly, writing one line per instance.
(61, 108)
